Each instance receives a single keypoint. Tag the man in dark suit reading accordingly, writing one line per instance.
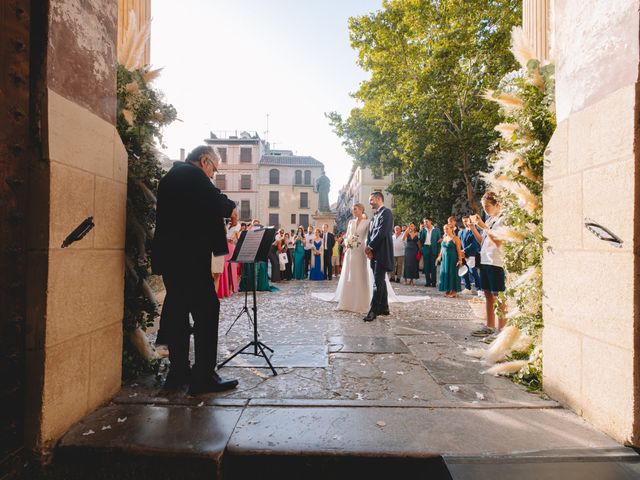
(189, 230)
(379, 250)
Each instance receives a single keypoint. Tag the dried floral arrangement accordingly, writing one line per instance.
(526, 100)
(142, 113)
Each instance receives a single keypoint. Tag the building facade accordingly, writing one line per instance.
(362, 183)
(237, 173)
(287, 196)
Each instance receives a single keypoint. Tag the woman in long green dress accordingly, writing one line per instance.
(298, 256)
(450, 259)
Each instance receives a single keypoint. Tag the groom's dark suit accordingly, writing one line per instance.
(380, 240)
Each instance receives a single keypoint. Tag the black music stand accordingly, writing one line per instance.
(253, 246)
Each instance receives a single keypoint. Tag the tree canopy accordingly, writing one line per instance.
(421, 112)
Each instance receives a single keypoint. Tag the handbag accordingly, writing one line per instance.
(283, 258)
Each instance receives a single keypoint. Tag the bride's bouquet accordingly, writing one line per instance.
(353, 241)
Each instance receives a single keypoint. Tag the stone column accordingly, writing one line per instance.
(75, 294)
(536, 26)
(591, 336)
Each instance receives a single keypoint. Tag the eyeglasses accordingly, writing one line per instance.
(211, 162)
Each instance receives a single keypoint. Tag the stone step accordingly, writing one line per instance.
(282, 441)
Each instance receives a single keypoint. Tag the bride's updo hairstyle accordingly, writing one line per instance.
(360, 206)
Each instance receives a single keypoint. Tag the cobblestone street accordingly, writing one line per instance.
(412, 357)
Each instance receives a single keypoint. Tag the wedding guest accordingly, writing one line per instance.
(335, 255)
(471, 251)
(308, 245)
(411, 239)
(398, 254)
(450, 258)
(317, 259)
(430, 238)
(492, 274)
(328, 241)
(274, 261)
(454, 224)
(283, 254)
(298, 255)
(229, 279)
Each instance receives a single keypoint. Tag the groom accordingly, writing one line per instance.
(379, 250)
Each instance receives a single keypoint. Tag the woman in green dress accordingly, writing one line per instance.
(298, 256)
(450, 259)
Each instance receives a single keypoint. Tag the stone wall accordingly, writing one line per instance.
(590, 309)
(76, 294)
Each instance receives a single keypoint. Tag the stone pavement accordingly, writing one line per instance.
(350, 398)
(412, 357)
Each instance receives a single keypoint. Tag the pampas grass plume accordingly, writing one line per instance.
(150, 75)
(505, 100)
(501, 346)
(520, 47)
(536, 79)
(128, 116)
(506, 130)
(509, 234)
(507, 368)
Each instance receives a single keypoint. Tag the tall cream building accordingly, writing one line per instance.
(286, 188)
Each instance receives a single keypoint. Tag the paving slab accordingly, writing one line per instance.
(361, 344)
(285, 356)
(447, 370)
(143, 441)
(412, 432)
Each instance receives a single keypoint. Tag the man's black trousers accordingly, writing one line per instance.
(191, 292)
(380, 300)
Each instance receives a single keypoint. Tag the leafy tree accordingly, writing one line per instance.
(422, 114)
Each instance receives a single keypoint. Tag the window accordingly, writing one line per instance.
(221, 181)
(307, 177)
(304, 220)
(274, 176)
(274, 199)
(245, 182)
(298, 177)
(377, 175)
(274, 220)
(293, 219)
(245, 210)
(223, 154)
(245, 155)
(304, 200)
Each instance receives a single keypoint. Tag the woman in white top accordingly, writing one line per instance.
(492, 275)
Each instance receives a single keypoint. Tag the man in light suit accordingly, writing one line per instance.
(379, 249)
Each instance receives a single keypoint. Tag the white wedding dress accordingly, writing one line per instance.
(355, 287)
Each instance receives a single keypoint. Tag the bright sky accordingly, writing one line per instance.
(229, 63)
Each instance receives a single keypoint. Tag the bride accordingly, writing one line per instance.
(355, 287)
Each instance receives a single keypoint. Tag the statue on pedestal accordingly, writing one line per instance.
(323, 185)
